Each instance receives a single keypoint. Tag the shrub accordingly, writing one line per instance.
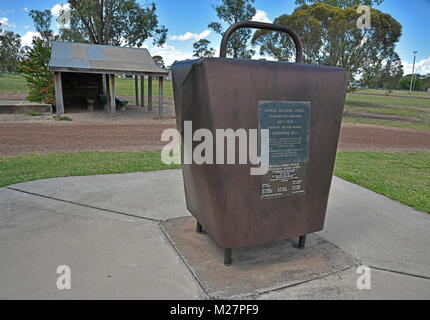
(40, 79)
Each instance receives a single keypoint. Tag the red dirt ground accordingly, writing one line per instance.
(136, 135)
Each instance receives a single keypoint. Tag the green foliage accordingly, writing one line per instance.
(231, 12)
(159, 61)
(42, 23)
(389, 76)
(405, 83)
(115, 22)
(201, 49)
(330, 37)
(342, 3)
(34, 69)
(10, 51)
(425, 82)
(401, 177)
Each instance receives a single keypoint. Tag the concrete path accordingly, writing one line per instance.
(107, 229)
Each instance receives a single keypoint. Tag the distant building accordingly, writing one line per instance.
(79, 68)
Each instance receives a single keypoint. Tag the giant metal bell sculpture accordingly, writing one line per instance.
(300, 104)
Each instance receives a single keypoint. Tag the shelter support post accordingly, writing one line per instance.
(142, 90)
(112, 96)
(107, 105)
(104, 83)
(59, 103)
(161, 93)
(150, 93)
(136, 88)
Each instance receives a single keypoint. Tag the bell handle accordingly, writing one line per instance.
(264, 26)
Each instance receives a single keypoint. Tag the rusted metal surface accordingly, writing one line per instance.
(263, 26)
(220, 93)
(255, 269)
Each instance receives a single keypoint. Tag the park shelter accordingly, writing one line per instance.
(83, 71)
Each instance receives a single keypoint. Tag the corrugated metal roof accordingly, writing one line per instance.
(82, 57)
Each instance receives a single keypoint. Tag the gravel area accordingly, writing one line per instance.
(137, 129)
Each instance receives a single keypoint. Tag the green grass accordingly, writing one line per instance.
(396, 124)
(401, 177)
(367, 100)
(372, 104)
(63, 118)
(124, 87)
(418, 118)
(396, 111)
(30, 167)
(12, 83)
(405, 93)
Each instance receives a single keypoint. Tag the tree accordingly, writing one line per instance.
(37, 74)
(231, 12)
(34, 67)
(159, 61)
(405, 83)
(114, 22)
(330, 37)
(10, 50)
(389, 76)
(201, 49)
(341, 3)
(42, 23)
(392, 73)
(425, 82)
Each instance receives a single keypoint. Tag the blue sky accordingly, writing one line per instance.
(187, 21)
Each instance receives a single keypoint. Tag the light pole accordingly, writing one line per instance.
(413, 71)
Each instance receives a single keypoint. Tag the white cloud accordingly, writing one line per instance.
(421, 67)
(5, 23)
(26, 27)
(56, 10)
(261, 16)
(8, 11)
(27, 39)
(25, 9)
(169, 54)
(189, 35)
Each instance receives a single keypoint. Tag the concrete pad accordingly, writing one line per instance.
(118, 256)
(110, 256)
(342, 286)
(255, 269)
(157, 195)
(378, 231)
